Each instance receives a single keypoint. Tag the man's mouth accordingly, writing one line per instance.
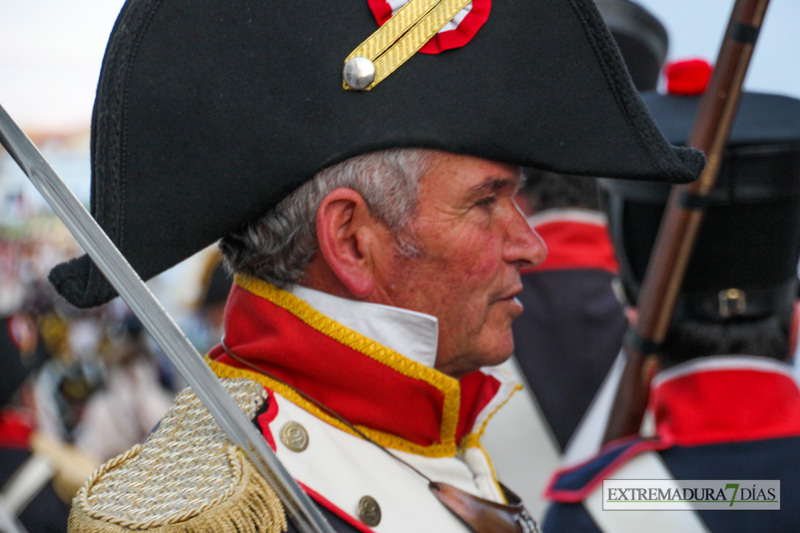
(510, 293)
(510, 299)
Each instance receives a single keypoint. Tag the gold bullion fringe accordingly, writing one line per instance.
(252, 507)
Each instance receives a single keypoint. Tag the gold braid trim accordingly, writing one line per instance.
(473, 439)
(187, 477)
(447, 385)
(394, 43)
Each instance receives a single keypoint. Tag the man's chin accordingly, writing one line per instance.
(494, 347)
(479, 361)
(501, 354)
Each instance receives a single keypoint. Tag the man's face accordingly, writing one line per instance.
(473, 240)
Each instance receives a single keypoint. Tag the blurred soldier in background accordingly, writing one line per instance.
(65, 374)
(38, 474)
(74, 373)
(572, 329)
(40, 471)
(132, 400)
(725, 404)
(102, 390)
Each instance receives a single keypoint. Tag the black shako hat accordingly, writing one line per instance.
(209, 112)
(641, 38)
(744, 263)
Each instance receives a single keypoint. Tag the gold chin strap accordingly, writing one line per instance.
(396, 41)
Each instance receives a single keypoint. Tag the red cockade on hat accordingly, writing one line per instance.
(456, 33)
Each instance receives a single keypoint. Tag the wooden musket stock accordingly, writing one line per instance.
(681, 223)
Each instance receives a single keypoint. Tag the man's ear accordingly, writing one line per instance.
(346, 231)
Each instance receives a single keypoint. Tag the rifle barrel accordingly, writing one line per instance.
(681, 224)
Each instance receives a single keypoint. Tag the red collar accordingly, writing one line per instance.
(575, 239)
(726, 399)
(398, 402)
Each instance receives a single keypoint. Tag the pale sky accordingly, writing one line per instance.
(51, 51)
(695, 28)
(50, 56)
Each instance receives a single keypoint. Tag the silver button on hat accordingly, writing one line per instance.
(359, 73)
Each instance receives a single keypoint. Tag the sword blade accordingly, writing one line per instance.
(159, 324)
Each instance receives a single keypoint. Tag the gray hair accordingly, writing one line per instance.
(279, 246)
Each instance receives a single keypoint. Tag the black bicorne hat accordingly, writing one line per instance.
(744, 264)
(209, 112)
(641, 38)
(643, 42)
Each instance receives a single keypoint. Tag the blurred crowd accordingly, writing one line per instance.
(79, 386)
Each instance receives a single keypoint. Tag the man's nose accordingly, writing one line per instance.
(523, 245)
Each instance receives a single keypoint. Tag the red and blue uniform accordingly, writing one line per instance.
(722, 417)
(573, 325)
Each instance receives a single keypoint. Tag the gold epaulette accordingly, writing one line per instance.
(187, 476)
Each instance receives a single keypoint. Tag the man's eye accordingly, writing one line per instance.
(487, 202)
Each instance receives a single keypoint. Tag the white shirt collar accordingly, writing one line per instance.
(412, 334)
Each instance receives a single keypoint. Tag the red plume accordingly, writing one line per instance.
(687, 77)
